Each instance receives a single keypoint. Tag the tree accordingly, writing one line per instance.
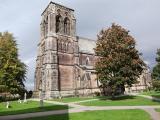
(156, 73)
(12, 70)
(119, 62)
(156, 68)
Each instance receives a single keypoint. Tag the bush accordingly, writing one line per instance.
(97, 93)
(29, 94)
(8, 97)
(156, 85)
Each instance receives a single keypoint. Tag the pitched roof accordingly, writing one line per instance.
(86, 45)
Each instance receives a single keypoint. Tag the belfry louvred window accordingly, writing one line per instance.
(66, 26)
(58, 23)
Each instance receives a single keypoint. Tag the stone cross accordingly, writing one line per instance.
(25, 98)
(7, 104)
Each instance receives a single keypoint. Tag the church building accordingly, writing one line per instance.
(65, 61)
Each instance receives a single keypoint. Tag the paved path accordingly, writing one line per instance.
(79, 108)
(154, 115)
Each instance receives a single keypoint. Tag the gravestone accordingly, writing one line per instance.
(41, 99)
(19, 101)
(7, 104)
(25, 98)
(41, 103)
(60, 97)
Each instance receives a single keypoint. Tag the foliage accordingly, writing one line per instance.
(156, 85)
(29, 94)
(119, 62)
(12, 70)
(156, 69)
(152, 93)
(156, 73)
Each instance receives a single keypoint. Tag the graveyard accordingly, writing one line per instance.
(72, 108)
(27, 107)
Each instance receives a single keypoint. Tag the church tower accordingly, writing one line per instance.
(57, 52)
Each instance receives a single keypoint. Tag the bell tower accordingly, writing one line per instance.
(57, 51)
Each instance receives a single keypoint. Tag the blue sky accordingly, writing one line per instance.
(141, 17)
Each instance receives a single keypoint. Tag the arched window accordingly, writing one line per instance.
(47, 73)
(45, 26)
(54, 58)
(42, 29)
(66, 26)
(58, 23)
(69, 47)
(59, 46)
(87, 61)
(65, 47)
(54, 73)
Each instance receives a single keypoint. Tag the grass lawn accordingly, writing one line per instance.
(157, 109)
(73, 99)
(30, 106)
(152, 93)
(100, 115)
(122, 101)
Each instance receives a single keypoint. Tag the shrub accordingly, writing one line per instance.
(156, 85)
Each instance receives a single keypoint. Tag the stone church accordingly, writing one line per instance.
(65, 61)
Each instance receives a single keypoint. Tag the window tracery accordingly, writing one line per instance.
(66, 26)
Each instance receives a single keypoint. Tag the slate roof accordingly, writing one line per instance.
(86, 45)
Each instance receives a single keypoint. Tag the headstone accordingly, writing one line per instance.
(41, 103)
(19, 101)
(60, 97)
(25, 98)
(41, 99)
(7, 104)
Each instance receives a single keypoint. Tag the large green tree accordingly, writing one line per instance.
(119, 62)
(156, 68)
(156, 72)
(12, 70)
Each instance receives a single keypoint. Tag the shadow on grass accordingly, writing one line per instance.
(52, 117)
(35, 109)
(125, 97)
(156, 96)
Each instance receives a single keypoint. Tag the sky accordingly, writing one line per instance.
(140, 17)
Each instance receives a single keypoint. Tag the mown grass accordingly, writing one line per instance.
(157, 109)
(100, 115)
(29, 107)
(122, 101)
(73, 99)
(155, 94)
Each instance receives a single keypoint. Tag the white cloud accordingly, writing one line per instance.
(29, 60)
(147, 63)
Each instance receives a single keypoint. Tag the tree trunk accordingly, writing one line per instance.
(122, 89)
